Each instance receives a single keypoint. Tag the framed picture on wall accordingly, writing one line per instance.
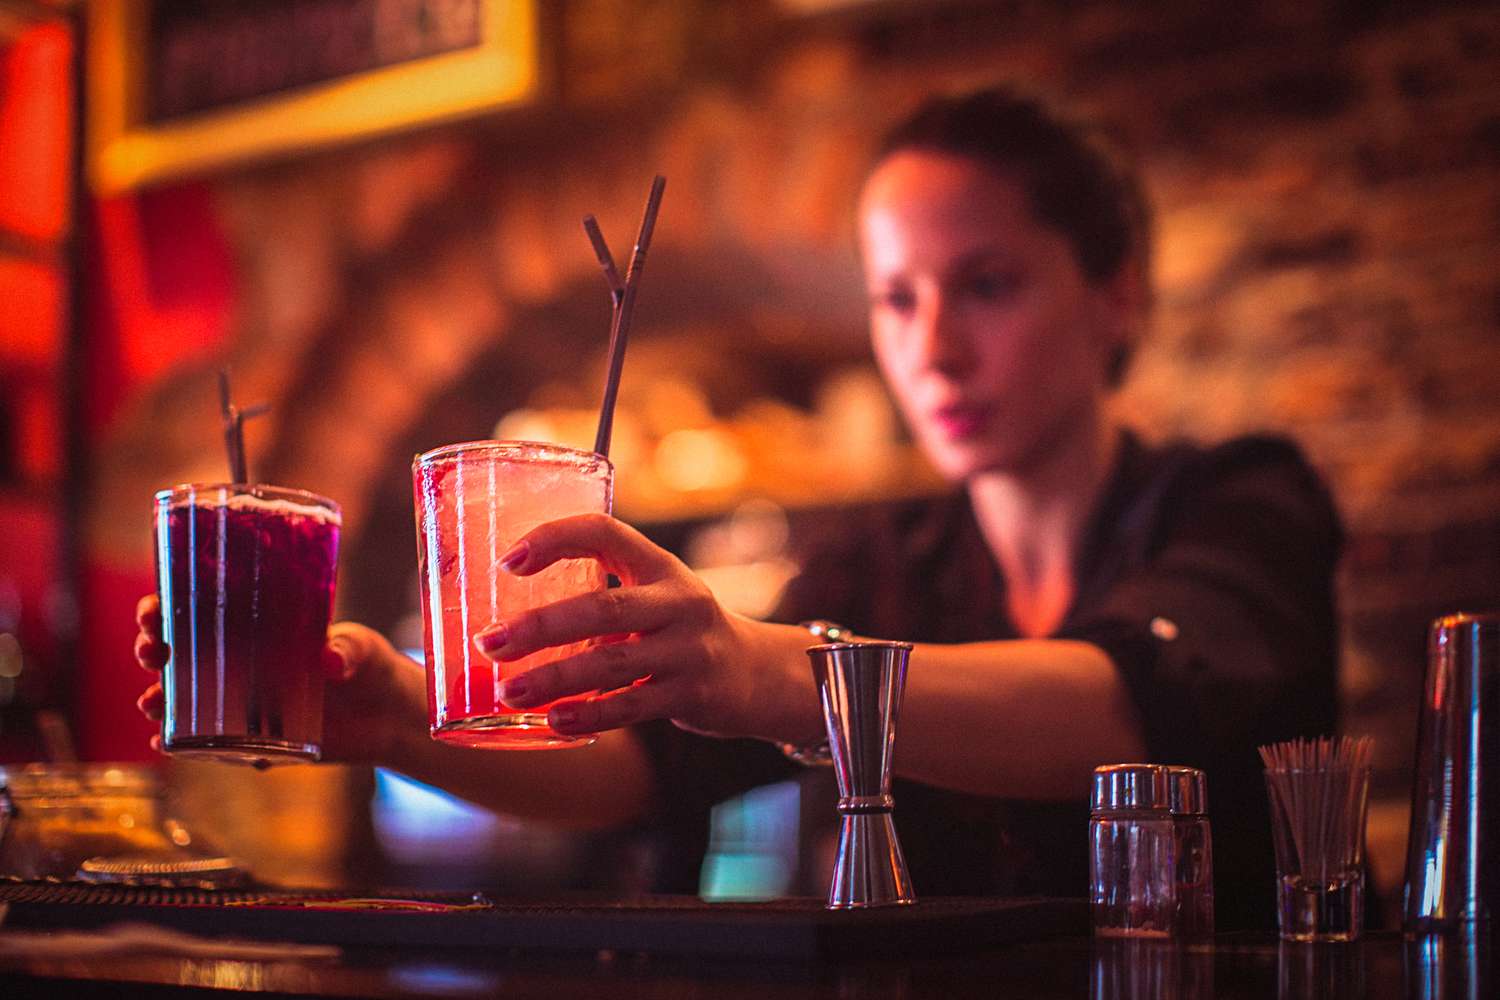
(182, 86)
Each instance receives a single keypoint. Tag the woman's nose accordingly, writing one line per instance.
(943, 343)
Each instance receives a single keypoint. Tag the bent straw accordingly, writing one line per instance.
(620, 328)
(234, 429)
(606, 263)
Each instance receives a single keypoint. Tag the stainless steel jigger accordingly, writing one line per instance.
(860, 685)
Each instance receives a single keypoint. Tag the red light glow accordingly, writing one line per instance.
(31, 321)
(35, 111)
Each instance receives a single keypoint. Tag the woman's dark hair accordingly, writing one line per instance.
(1074, 180)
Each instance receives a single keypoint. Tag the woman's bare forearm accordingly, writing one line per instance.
(1019, 719)
(1016, 719)
(378, 714)
(605, 785)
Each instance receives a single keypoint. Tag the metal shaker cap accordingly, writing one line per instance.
(1187, 789)
(1130, 786)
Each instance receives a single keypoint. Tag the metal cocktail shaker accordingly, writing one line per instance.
(1453, 851)
(860, 685)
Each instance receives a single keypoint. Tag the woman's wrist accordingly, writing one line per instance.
(814, 751)
(785, 699)
(400, 733)
(404, 747)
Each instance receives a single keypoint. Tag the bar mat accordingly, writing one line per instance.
(682, 925)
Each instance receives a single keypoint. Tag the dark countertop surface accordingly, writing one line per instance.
(64, 957)
(1376, 967)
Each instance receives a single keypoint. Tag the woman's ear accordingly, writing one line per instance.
(1126, 299)
(1129, 291)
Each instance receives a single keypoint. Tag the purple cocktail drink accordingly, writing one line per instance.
(245, 575)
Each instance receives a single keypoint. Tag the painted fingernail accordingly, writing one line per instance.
(563, 718)
(515, 556)
(514, 688)
(492, 639)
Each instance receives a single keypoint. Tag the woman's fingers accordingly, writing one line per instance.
(351, 649)
(664, 623)
(620, 611)
(151, 703)
(151, 653)
(609, 711)
(148, 614)
(604, 667)
(621, 549)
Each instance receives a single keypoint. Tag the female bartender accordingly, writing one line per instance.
(1080, 597)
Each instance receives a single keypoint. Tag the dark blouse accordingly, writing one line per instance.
(1207, 576)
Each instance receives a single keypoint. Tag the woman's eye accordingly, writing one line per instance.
(992, 286)
(898, 300)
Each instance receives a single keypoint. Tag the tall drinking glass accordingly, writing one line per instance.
(246, 575)
(474, 501)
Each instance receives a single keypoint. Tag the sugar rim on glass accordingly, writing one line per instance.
(544, 451)
(254, 496)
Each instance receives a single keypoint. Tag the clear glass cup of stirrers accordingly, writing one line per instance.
(1319, 794)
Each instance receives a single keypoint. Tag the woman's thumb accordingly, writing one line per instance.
(350, 647)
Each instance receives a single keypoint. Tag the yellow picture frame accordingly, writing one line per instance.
(124, 151)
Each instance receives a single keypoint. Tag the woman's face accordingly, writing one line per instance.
(993, 341)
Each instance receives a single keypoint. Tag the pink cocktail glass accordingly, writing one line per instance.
(473, 502)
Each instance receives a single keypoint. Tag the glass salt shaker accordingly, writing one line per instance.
(1132, 852)
(1187, 797)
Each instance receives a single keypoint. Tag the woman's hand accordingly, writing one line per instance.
(376, 700)
(665, 647)
(375, 696)
(152, 653)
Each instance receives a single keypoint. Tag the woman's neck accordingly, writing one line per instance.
(1033, 521)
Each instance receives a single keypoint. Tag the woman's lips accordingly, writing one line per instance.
(960, 421)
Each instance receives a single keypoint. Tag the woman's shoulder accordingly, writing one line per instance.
(1244, 452)
(1270, 461)
(1268, 472)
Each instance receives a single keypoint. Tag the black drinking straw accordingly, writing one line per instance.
(234, 429)
(606, 263)
(625, 307)
(239, 472)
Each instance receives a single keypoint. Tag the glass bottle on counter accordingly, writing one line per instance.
(1187, 796)
(1132, 852)
(99, 823)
